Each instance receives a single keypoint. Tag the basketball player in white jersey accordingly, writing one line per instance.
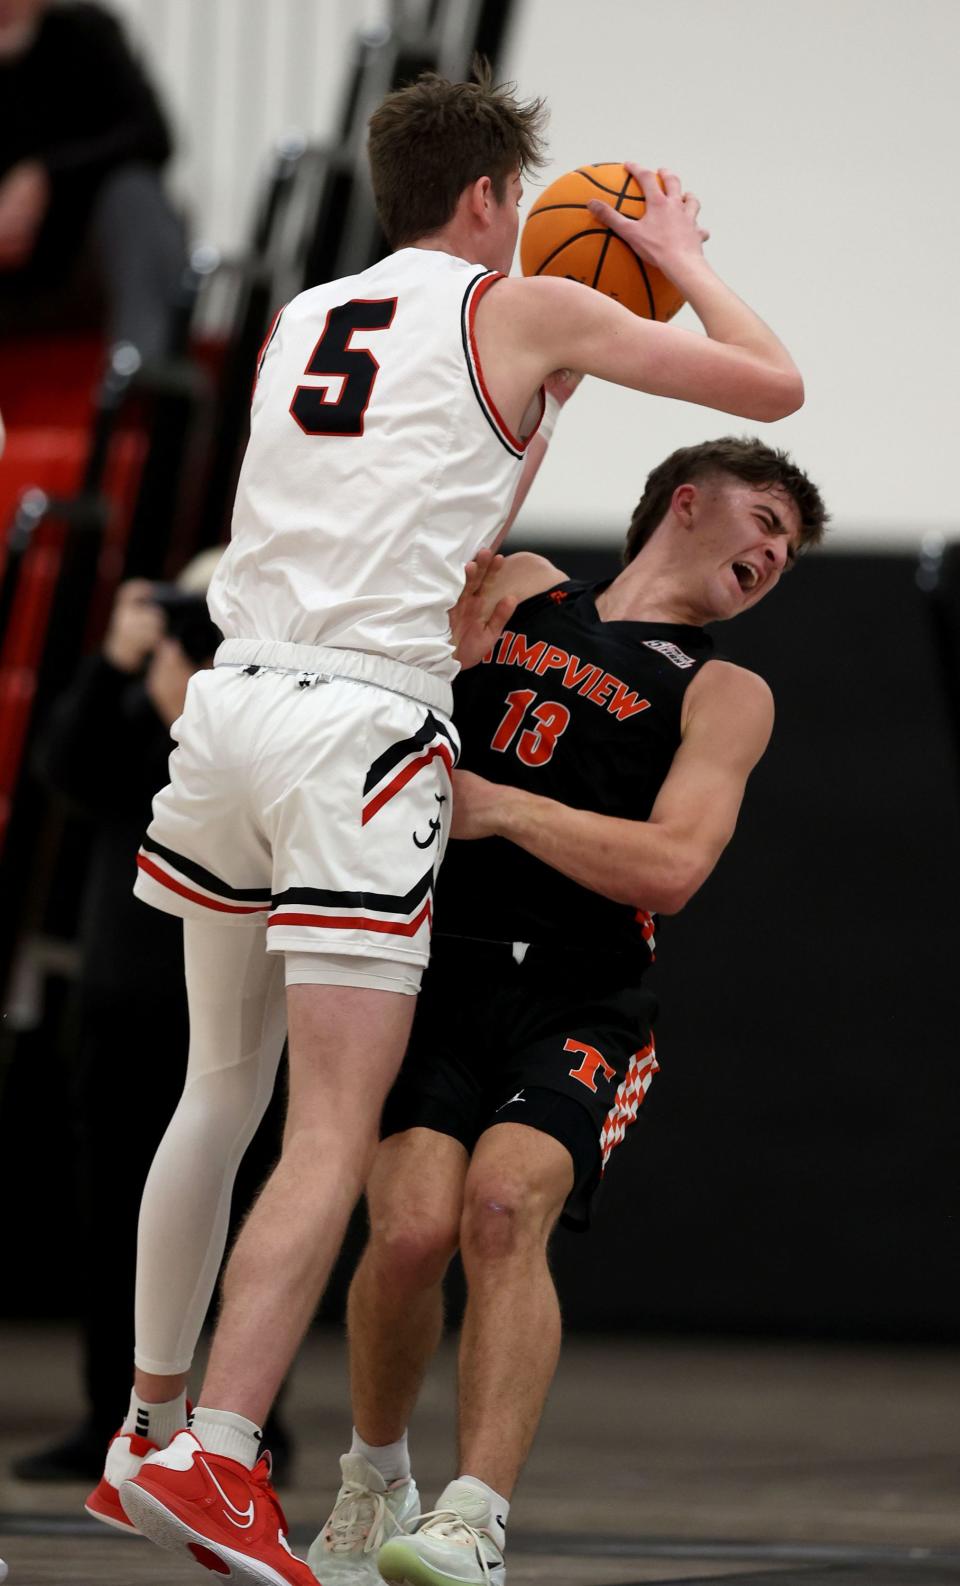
(309, 801)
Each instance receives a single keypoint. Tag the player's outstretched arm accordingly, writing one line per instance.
(726, 369)
(739, 367)
(669, 235)
(656, 864)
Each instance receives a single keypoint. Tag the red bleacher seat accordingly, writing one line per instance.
(47, 395)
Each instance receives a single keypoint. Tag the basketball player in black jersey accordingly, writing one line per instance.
(606, 748)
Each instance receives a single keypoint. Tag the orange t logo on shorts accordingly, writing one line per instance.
(592, 1061)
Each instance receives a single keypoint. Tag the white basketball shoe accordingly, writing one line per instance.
(453, 1545)
(367, 1513)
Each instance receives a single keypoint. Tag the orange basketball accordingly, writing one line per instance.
(562, 237)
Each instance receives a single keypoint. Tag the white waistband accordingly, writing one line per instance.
(359, 665)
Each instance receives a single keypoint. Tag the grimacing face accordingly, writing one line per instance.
(746, 537)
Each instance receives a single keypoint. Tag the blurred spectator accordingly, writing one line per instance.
(87, 235)
(105, 750)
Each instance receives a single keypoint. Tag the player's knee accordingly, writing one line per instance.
(412, 1252)
(501, 1216)
(217, 1117)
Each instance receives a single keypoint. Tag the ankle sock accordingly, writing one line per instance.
(499, 1508)
(223, 1432)
(158, 1422)
(392, 1460)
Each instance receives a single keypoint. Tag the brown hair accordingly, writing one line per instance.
(745, 458)
(430, 140)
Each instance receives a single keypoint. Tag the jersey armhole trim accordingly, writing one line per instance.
(477, 287)
(265, 349)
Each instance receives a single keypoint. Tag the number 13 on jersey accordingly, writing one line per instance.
(355, 366)
(535, 745)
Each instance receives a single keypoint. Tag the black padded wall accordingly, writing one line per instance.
(797, 1167)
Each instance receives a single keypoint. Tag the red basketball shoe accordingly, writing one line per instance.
(226, 1516)
(125, 1455)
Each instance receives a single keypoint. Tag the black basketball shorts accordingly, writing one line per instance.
(560, 1041)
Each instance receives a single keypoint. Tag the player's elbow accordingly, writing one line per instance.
(673, 889)
(782, 395)
(669, 898)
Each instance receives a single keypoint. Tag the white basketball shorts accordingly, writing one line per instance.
(307, 800)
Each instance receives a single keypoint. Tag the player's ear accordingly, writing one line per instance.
(682, 504)
(481, 199)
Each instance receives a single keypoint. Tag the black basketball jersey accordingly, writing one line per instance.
(579, 710)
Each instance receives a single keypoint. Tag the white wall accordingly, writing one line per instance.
(236, 75)
(822, 137)
(818, 134)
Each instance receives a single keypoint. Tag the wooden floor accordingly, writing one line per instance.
(793, 1465)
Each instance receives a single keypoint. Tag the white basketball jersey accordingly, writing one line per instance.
(377, 466)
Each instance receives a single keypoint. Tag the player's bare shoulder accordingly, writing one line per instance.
(726, 701)
(537, 293)
(525, 306)
(525, 574)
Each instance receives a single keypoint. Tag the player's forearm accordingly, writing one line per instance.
(726, 318)
(536, 452)
(632, 862)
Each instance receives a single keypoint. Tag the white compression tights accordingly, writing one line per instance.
(236, 996)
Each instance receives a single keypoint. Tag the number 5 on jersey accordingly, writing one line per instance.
(356, 367)
(535, 745)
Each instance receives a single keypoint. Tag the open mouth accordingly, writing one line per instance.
(746, 575)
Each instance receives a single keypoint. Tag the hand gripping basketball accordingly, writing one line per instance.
(667, 229)
(617, 228)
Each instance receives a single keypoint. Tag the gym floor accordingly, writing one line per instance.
(797, 1465)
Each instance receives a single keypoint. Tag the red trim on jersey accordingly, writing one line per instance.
(482, 286)
(406, 775)
(645, 920)
(347, 922)
(195, 897)
(263, 350)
